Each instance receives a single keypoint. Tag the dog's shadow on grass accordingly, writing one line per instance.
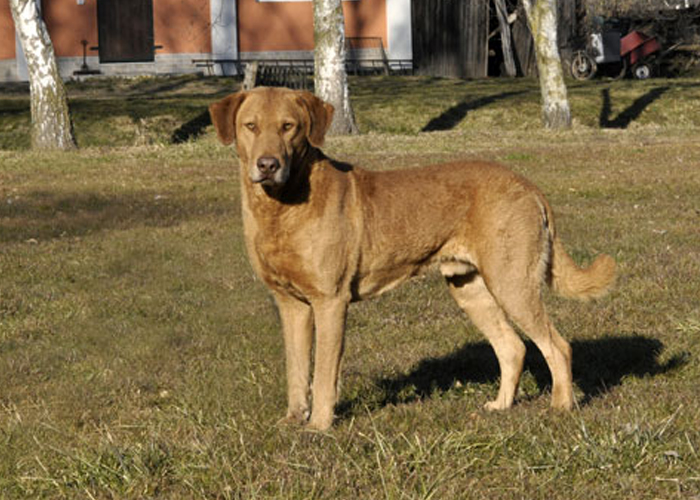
(598, 366)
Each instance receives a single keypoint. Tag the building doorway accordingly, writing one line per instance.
(125, 31)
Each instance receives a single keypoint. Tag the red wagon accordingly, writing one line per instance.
(608, 49)
(638, 49)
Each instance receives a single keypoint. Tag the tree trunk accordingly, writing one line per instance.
(51, 125)
(330, 77)
(542, 19)
(508, 60)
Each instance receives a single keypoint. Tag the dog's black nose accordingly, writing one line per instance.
(268, 165)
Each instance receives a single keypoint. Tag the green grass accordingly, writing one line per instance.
(141, 358)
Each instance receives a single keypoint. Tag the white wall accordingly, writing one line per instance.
(224, 32)
(398, 19)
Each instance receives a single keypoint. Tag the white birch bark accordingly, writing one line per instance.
(51, 126)
(330, 77)
(542, 19)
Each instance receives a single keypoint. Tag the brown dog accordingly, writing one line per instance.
(322, 234)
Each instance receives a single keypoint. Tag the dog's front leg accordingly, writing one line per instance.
(297, 327)
(330, 329)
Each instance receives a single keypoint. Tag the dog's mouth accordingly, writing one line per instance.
(265, 180)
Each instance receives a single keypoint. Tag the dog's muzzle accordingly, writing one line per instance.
(268, 170)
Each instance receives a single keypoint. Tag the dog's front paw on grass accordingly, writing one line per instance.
(562, 402)
(294, 419)
(496, 405)
(320, 424)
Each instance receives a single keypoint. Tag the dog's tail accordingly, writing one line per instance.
(565, 276)
(569, 280)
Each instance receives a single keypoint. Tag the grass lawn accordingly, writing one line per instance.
(141, 358)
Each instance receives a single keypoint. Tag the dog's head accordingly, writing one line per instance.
(272, 128)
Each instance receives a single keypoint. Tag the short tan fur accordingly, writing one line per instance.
(322, 234)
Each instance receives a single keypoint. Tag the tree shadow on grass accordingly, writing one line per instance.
(598, 366)
(46, 215)
(631, 113)
(192, 129)
(167, 85)
(452, 116)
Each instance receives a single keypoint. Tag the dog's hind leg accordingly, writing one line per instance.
(514, 267)
(476, 300)
(518, 293)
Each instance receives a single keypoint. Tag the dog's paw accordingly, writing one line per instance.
(294, 419)
(565, 403)
(321, 424)
(496, 405)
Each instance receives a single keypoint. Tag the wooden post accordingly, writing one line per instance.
(250, 77)
(508, 58)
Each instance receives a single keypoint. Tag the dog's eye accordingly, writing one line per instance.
(251, 126)
(287, 126)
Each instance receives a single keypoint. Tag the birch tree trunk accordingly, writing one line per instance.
(330, 77)
(542, 19)
(51, 125)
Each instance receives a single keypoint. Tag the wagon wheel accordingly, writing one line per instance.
(582, 66)
(642, 70)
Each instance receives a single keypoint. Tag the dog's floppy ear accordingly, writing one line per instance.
(320, 116)
(223, 116)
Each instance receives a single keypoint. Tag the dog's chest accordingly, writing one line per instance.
(284, 260)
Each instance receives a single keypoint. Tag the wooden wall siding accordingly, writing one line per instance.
(450, 37)
(523, 46)
(567, 24)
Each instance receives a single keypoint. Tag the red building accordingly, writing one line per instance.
(146, 37)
